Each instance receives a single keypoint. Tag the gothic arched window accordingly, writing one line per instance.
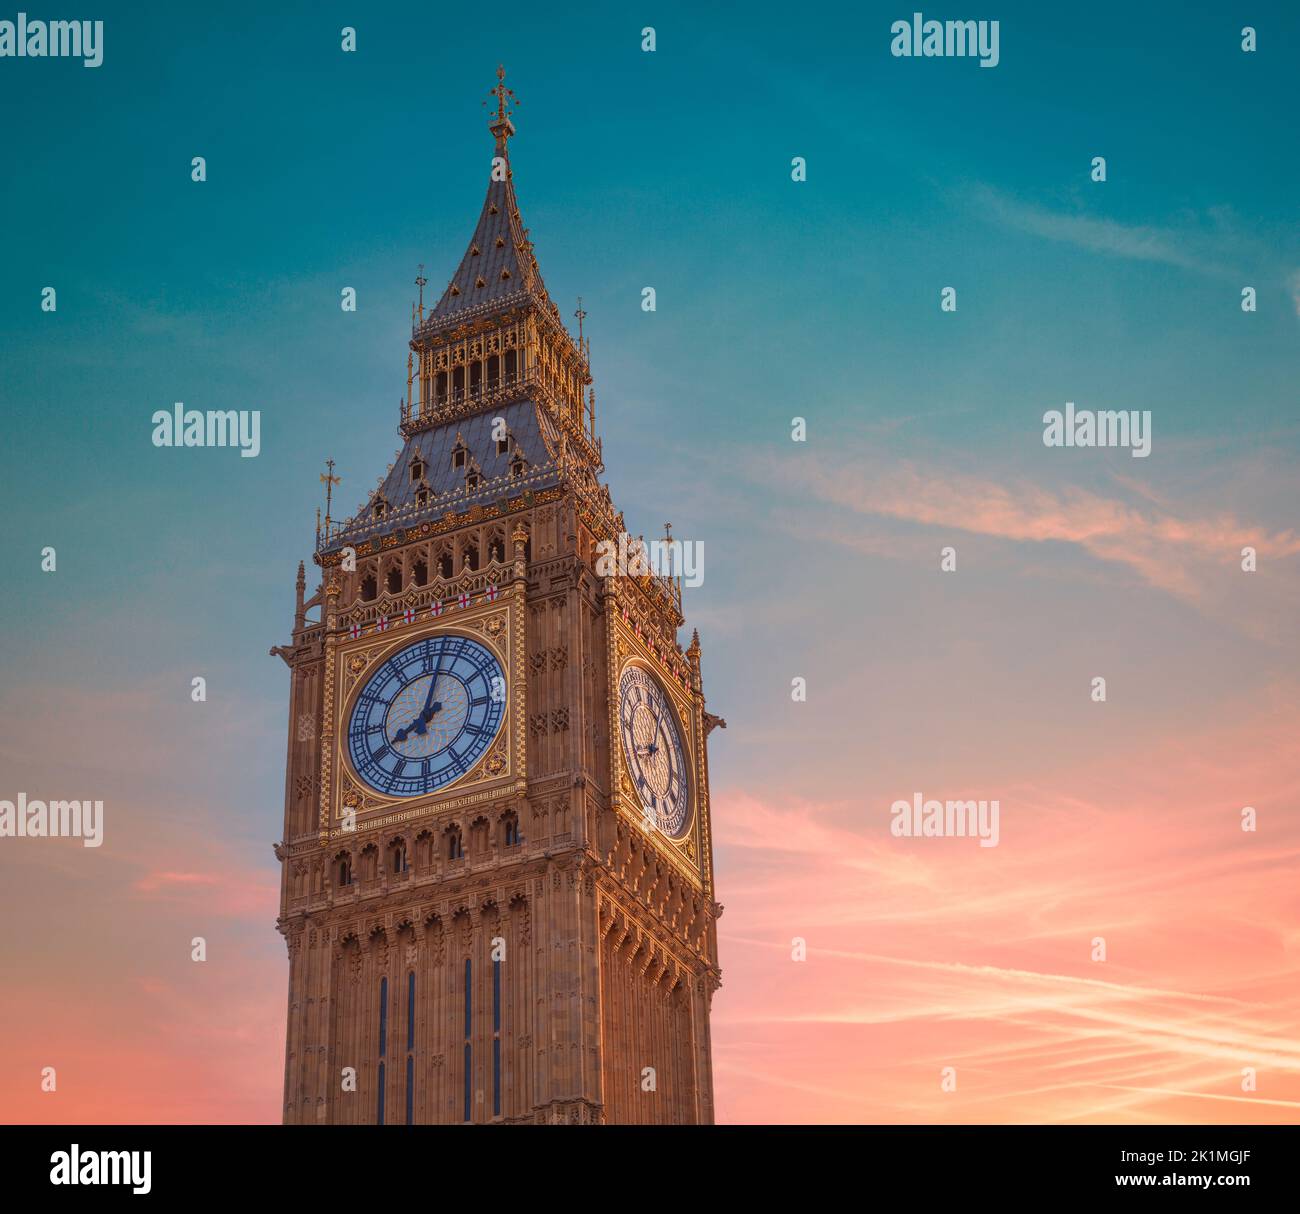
(455, 850)
(478, 834)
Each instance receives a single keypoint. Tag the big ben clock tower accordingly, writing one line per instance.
(497, 890)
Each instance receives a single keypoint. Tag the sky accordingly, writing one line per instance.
(776, 299)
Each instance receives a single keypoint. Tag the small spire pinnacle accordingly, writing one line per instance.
(581, 315)
(420, 282)
(501, 126)
(329, 480)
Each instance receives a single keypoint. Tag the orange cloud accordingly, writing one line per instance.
(925, 954)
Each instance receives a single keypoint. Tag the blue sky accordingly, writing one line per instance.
(668, 169)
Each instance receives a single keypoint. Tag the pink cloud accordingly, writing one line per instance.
(1178, 548)
(923, 954)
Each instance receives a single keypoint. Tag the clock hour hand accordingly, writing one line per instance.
(422, 718)
(420, 723)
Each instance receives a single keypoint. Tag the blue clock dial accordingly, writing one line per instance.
(653, 751)
(426, 715)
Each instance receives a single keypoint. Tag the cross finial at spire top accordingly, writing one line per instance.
(501, 126)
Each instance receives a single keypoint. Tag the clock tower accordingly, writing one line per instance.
(497, 891)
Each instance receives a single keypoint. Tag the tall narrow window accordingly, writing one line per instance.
(410, 1011)
(496, 1038)
(468, 1054)
(410, 1048)
(383, 1044)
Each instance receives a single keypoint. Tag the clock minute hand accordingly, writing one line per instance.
(422, 718)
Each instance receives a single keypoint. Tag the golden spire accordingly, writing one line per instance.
(501, 126)
(329, 480)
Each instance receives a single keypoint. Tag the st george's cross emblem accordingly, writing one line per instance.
(464, 600)
(356, 632)
(381, 624)
(491, 594)
(435, 608)
(409, 615)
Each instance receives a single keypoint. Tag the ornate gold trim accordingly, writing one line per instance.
(627, 649)
(500, 770)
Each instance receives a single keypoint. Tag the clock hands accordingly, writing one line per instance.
(419, 723)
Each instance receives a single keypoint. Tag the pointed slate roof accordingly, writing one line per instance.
(533, 435)
(500, 257)
(499, 267)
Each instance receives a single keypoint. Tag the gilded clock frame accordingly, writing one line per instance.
(688, 853)
(500, 772)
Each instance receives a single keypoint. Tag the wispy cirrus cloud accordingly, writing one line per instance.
(1216, 244)
(927, 955)
(1139, 242)
(1175, 546)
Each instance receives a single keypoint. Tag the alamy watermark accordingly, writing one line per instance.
(26, 819)
(23, 39)
(922, 819)
(75, 1166)
(1100, 428)
(631, 556)
(950, 39)
(184, 427)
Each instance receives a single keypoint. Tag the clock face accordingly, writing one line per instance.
(652, 748)
(426, 716)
